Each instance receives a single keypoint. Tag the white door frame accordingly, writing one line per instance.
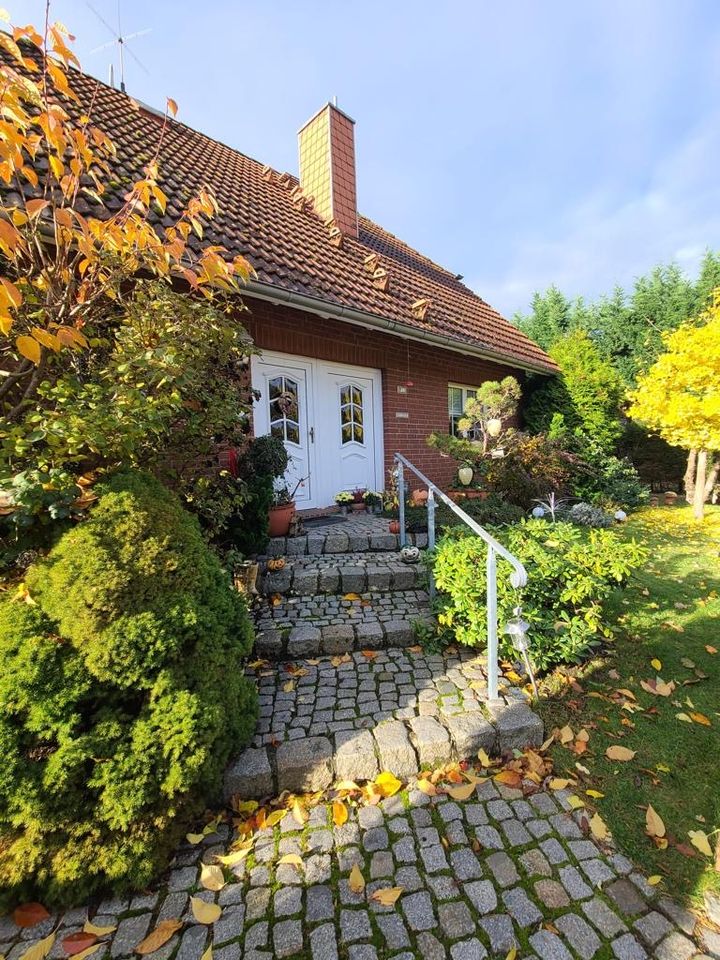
(325, 486)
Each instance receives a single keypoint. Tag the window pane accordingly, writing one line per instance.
(455, 400)
(276, 430)
(359, 434)
(293, 432)
(346, 433)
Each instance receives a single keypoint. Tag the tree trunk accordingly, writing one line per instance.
(699, 499)
(689, 478)
(712, 478)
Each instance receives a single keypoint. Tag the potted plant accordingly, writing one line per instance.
(282, 509)
(373, 501)
(343, 500)
(358, 504)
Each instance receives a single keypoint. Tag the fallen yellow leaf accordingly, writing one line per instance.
(40, 950)
(194, 838)
(158, 937)
(275, 817)
(701, 718)
(204, 912)
(212, 877)
(300, 814)
(512, 953)
(292, 859)
(208, 954)
(598, 827)
(699, 839)
(236, 856)
(558, 783)
(654, 822)
(387, 783)
(426, 787)
(89, 927)
(654, 880)
(616, 752)
(339, 812)
(575, 803)
(484, 758)
(463, 792)
(595, 794)
(387, 896)
(656, 664)
(566, 735)
(357, 880)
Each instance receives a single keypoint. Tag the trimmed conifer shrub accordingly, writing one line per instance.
(122, 695)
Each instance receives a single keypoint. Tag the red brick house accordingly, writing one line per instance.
(366, 345)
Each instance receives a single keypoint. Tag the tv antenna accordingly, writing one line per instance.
(121, 42)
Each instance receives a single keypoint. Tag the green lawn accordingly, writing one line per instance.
(669, 612)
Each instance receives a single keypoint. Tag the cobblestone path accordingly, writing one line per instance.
(479, 878)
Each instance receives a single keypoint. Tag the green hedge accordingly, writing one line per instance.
(571, 573)
(121, 697)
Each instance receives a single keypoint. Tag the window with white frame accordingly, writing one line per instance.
(458, 396)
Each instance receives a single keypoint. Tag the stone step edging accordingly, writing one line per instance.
(402, 747)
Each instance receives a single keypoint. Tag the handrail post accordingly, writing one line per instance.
(492, 627)
(431, 534)
(401, 501)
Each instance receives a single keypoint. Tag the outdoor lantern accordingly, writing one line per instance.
(494, 426)
(517, 629)
(465, 475)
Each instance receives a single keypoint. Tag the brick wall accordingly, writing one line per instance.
(287, 330)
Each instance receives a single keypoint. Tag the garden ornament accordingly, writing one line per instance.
(620, 516)
(410, 554)
(465, 475)
(517, 629)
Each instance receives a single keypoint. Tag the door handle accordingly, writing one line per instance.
(312, 434)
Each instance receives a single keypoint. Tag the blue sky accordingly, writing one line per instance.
(520, 143)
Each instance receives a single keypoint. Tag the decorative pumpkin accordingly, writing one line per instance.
(394, 526)
(419, 497)
(276, 563)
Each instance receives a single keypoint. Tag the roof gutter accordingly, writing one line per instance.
(371, 321)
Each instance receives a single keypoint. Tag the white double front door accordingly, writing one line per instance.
(329, 417)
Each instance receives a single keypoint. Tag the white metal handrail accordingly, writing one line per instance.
(518, 576)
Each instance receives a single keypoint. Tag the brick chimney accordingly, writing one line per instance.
(327, 166)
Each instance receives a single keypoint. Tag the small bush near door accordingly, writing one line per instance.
(121, 696)
(571, 573)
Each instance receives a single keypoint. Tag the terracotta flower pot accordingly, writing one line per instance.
(358, 507)
(281, 518)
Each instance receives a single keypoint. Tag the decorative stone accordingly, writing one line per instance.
(355, 756)
(482, 895)
(520, 906)
(552, 894)
(287, 938)
(468, 950)
(304, 766)
(605, 919)
(433, 742)
(323, 943)
(652, 927)
(250, 776)
(675, 947)
(399, 633)
(626, 947)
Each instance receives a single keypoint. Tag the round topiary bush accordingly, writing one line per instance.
(122, 695)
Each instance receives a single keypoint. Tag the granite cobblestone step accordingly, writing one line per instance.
(353, 715)
(346, 573)
(336, 539)
(307, 626)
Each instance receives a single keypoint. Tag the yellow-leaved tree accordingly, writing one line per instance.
(679, 398)
(61, 270)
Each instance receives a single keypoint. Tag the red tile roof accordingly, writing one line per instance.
(287, 243)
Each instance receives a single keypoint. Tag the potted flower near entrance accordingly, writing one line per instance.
(373, 501)
(343, 500)
(358, 502)
(282, 509)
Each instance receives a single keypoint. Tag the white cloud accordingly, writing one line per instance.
(607, 238)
